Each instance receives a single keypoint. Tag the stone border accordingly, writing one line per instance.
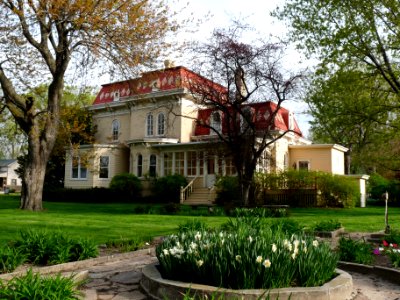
(389, 274)
(77, 265)
(158, 288)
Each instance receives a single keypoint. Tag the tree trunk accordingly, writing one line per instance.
(32, 183)
(245, 194)
(347, 162)
(40, 145)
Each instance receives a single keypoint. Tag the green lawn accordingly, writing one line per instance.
(104, 222)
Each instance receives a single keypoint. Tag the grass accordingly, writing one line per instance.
(100, 222)
(106, 222)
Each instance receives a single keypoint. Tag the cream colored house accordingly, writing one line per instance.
(151, 126)
(8, 177)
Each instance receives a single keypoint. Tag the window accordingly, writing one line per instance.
(116, 96)
(115, 130)
(79, 170)
(149, 125)
(167, 163)
(192, 161)
(229, 166)
(179, 163)
(161, 124)
(104, 163)
(13, 182)
(140, 165)
(215, 123)
(153, 166)
(304, 165)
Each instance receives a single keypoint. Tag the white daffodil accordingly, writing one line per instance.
(267, 263)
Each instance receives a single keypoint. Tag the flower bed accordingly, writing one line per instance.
(246, 259)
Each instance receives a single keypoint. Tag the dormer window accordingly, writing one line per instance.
(149, 125)
(116, 95)
(115, 130)
(215, 124)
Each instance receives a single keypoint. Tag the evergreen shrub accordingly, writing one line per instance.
(167, 189)
(126, 184)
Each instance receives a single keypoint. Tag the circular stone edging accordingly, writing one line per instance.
(156, 287)
(389, 274)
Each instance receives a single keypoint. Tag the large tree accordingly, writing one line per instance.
(42, 39)
(246, 73)
(350, 109)
(347, 33)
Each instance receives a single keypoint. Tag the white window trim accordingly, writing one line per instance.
(108, 168)
(213, 123)
(118, 124)
(79, 178)
(303, 160)
(158, 124)
(147, 129)
(116, 95)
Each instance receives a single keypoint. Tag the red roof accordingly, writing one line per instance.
(160, 80)
(262, 113)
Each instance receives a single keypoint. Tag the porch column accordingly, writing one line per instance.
(173, 163)
(162, 164)
(185, 163)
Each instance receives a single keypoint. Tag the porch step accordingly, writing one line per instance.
(200, 196)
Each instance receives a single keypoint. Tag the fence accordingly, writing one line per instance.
(292, 197)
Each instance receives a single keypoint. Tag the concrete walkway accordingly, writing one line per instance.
(118, 279)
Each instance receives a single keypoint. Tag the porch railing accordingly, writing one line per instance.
(187, 190)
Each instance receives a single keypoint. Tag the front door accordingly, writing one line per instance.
(210, 172)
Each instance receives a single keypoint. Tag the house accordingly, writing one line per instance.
(8, 177)
(152, 126)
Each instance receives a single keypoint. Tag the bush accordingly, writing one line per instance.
(378, 185)
(167, 188)
(10, 259)
(125, 244)
(227, 188)
(47, 248)
(334, 190)
(355, 251)
(225, 259)
(329, 225)
(126, 184)
(338, 191)
(193, 225)
(34, 287)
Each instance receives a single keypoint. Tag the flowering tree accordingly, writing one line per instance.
(42, 39)
(247, 73)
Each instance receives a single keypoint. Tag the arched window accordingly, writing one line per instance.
(153, 166)
(139, 165)
(115, 130)
(149, 125)
(161, 124)
(215, 124)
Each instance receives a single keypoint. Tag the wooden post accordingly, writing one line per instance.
(387, 227)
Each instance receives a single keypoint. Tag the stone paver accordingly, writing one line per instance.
(119, 280)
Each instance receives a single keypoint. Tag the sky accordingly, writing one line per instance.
(256, 13)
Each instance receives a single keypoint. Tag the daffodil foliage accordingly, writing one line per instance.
(246, 258)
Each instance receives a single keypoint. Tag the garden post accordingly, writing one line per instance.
(387, 227)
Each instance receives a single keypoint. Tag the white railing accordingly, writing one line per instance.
(187, 190)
